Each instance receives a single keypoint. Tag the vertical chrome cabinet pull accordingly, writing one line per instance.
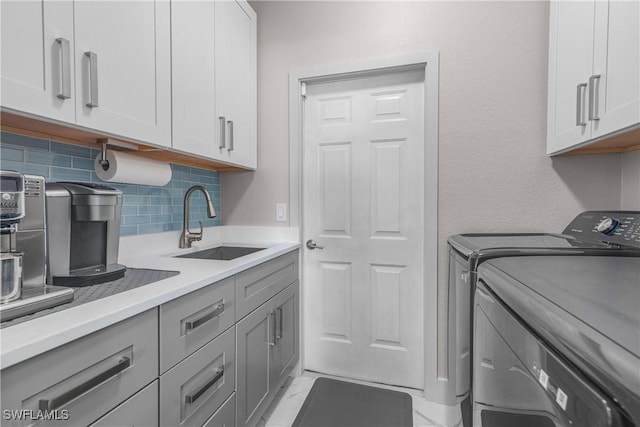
(271, 329)
(223, 136)
(64, 89)
(594, 96)
(63, 399)
(92, 102)
(230, 135)
(190, 398)
(579, 110)
(279, 334)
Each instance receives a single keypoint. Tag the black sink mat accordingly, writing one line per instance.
(133, 278)
(333, 403)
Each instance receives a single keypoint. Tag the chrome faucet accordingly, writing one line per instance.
(187, 237)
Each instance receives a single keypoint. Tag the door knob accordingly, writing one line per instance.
(311, 244)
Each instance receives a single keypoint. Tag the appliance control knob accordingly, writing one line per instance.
(607, 225)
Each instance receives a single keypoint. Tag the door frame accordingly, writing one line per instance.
(429, 61)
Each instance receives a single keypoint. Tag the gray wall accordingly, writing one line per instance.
(631, 181)
(493, 171)
(494, 174)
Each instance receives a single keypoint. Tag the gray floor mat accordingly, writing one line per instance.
(333, 403)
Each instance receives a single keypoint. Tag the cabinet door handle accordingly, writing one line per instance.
(579, 110)
(190, 398)
(92, 102)
(64, 398)
(230, 149)
(192, 324)
(279, 334)
(64, 89)
(223, 136)
(271, 330)
(593, 97)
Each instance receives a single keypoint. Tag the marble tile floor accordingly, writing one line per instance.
(291, 396)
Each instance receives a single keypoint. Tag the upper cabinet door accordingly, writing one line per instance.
(236, 80)
(123, 68)
(193, 79)
(37, 58)
(616, 102)
(570, 66)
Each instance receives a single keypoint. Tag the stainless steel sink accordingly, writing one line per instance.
(222, 253)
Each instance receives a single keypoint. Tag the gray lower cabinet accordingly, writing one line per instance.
(287, 321)
(81, 381)
(267, 350)
(189, 322)
(258, 284)
(225, 416)
(254, 352)
(140, 410)
(191, 391)
(213, 358)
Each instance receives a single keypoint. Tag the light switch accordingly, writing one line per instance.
(281, 211)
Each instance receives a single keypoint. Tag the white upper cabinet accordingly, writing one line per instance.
(236, 81)
(594, 64)
(123, 68)
(193, 78)
(180, 74)
(617, 61)
(37, 58)
(214, 80)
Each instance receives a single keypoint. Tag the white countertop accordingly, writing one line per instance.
(154, 251)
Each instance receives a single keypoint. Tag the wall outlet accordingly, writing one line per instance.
(281, 211)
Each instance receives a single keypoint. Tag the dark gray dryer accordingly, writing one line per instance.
(557, 342)
(590, 233)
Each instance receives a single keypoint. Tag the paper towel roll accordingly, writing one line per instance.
(132, 169)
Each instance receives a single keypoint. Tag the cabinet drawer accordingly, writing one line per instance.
(88, 377)
(141, 410)
(191, 321)
(258, 284)
(225, 416)
(192, 390)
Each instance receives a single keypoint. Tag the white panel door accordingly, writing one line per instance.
(193, 78)
(131, 46)
(570, 65)
(617, 61)
(363, 183)
(37, 58)
(236, 80)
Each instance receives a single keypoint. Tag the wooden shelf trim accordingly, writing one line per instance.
(619, 143)
(28, 126)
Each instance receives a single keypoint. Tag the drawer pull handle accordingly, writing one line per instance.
(190, 398)
(92, 100)
(230, 136)
(279, 334)
(192, 324)
(580, 121)
(64, 91)
(593, 97)
(223, 137)
(271, 340)
(63, 399)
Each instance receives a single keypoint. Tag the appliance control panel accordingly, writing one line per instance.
(11, 197)
(619, 227)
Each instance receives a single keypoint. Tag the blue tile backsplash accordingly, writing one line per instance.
(146, 209)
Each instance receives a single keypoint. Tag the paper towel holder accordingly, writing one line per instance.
(103, 160)
(125, 146)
